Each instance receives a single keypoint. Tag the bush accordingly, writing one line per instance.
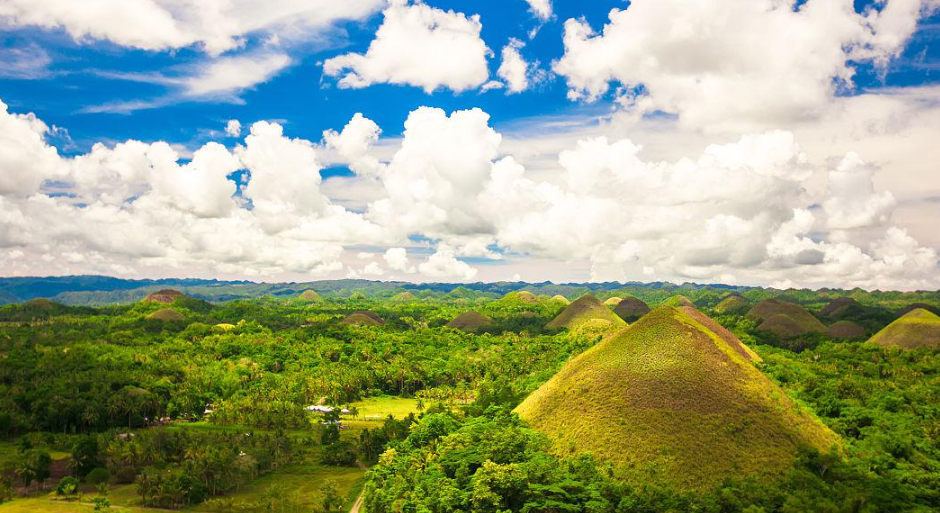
(126, 474)
(97, 476)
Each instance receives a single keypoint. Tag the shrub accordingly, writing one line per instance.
(98, 475)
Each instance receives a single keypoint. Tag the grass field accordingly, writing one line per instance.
(300, 481)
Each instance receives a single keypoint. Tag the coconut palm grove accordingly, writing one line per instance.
(489, 256)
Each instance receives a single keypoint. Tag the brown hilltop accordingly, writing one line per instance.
(165, 296)
(784, 319)
(363, 319)
(631, 309)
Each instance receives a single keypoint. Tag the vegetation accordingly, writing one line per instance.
(212, 410)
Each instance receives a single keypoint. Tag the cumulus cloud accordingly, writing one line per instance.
(433, 180)
(215, 26)
(233, 128)
(720, 63)
(757, 209)
(397, 260)
(26, 161)
(514, 70)
(353, 144)
(420, 46)
(443, 265)
(542, 9)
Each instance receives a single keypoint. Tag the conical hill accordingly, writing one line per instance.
(676, 399)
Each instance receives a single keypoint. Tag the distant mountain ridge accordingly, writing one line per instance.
(104, 290)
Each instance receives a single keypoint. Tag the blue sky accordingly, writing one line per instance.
(79, 77)
(818, 120)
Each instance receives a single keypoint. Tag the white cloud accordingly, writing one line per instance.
(26, 161)
(759, 208)
(216, 26)
(852, 201)
(233, 128)
(228, 75)
(731, 63)
(443, 265)
(542, 9)
(433, 180)
(420, 46)
(397, 260)
(353, 145)
(514, 70)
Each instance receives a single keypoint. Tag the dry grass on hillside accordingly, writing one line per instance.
(675, 401)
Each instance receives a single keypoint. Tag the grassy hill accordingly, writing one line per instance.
(561, 299)
(471, 322)
(613, 301)
(674, 400)
(916, 329)
(309, 295)
(585, 311)
(363, 319)
(630, 309)
(784, 319)
(847, 330)
(733, 304)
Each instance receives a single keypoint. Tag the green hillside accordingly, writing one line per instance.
(916, 329)
(733, 304)
(166, 315)
(586, 311)
(671, 399)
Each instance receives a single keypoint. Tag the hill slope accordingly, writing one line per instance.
(630, 309)
(470, 321)
(671, 399)
(784, 319)
(585, 310)
(916, 329)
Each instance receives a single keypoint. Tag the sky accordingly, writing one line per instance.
(752, 142)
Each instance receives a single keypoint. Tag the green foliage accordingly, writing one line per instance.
(67, 488)
(85, 456)
(98, 476)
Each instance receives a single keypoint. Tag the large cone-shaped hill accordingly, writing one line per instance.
(918, 328)
(675, 395)
(784, 319)
(630, 309)
(733, 304)
(471, 322)
(586, 311)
